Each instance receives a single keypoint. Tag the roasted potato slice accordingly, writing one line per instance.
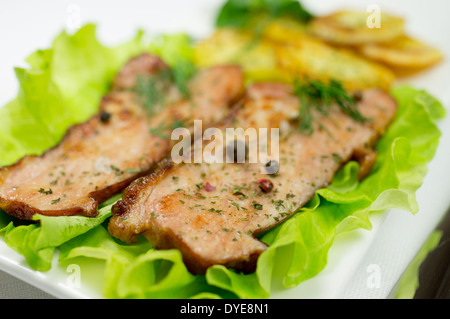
(403, 52)
(354, 28)
(312, 58)
(285, 30)
(267, 60)
(256, 55)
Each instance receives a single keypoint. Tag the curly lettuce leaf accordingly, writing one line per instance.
(138, 271)
(37, 242)
(242, 13)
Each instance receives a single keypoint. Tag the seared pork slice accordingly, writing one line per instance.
(213, 213)
(102, 156)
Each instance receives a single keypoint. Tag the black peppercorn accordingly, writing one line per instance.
(105, 116)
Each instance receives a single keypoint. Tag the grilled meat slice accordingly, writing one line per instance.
(213, 212)
(102, 156)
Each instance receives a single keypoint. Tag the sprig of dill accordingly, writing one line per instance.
(163, 129)
(182, 72)
(151, 89)
(315, 95)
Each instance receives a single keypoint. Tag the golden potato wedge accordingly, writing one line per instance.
(293, 33)
(356, 28)
(403, 52)
(255, 55)
(285, 30)
(266, 60)
(312, 58)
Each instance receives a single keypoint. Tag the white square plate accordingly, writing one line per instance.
(396, 236)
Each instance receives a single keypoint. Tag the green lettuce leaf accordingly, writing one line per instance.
(37, 242)
(137, 271)
(176, 50)
(242, 13)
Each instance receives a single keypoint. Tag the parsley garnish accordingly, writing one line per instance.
(150, 90)
(242, 13)
(257, 205)
(43, 191)
(163, 130)
(315, 95)
(182, 72)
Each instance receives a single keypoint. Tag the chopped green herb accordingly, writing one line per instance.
(315, 95)
(163, 130)
(150, 90)
(337, 158)
(235, 205)
(182, 72)
(237, 190)
(43, 191)
(279, 203)
(132, 170)
(257, 205)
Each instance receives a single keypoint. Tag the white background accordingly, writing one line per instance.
(397, 236)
